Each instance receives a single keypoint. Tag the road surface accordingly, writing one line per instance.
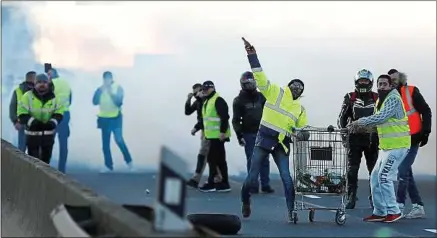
(268, 216)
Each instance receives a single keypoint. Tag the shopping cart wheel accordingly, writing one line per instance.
(340, 217)
(295, 219)
(311, 215)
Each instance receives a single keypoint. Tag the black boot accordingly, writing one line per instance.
(351, 197)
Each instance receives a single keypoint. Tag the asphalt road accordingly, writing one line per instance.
(269, 214)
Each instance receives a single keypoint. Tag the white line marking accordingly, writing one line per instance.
(431, 230)
(311, 196)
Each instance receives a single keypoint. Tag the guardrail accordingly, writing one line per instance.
(42, 202)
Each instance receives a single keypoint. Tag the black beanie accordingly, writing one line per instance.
(385, 76)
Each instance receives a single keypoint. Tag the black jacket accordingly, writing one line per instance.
(222, 111)
(424, 110)
(247, 112)
(355, 106)
(24, 118)
(196, 106)
(13, 104)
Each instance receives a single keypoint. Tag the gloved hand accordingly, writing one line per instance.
(241, 142)
(249, 48)
(193, 131)
(51, 125)
(330, 128)
(424, 139)
(36, 125)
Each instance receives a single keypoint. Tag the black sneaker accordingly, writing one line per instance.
(222, 187)
(245, 210)
(192, 183)
(207, 188)
(267, 190)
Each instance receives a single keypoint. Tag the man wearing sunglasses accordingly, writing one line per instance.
(190, 108)
(282, 112)
(215, 117)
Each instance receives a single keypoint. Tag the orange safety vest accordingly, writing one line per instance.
(414, 118)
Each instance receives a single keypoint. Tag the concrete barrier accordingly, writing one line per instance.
(31, 190)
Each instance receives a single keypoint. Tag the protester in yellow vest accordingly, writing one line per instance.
(109, 98)
(40, 111)
(215, 116)
(282, 112)
(13, 106)
(62, 91)
(391, 121)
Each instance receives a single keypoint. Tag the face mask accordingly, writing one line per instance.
(249, 86)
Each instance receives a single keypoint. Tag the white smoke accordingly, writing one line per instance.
(158, 50)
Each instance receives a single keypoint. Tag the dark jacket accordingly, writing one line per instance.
(13, 104)
(24, 118)
(196, 106)
(352, 110)
(424, 110)
(222, 111)
(247, 112)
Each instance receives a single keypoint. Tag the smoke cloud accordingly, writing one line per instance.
(158, 50)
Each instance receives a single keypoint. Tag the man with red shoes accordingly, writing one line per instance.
(391, 121)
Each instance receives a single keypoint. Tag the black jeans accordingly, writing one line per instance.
(355, 153)
(217, 159)
(40, 147)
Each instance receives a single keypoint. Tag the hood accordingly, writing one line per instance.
(402, 78)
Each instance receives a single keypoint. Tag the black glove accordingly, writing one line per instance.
(36, 125)
(50, 125)
(424, 139)
(330, 128)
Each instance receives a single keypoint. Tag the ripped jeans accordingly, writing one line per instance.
(381, 181)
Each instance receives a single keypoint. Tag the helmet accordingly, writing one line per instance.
(107, 75)
(247, 81)
(297, 87)
(363, 87)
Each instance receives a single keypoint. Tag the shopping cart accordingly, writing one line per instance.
(319, 164)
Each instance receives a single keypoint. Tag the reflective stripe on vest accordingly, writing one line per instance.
(276, 108)
(394, 133)
(108, 109)
(39, 133)
(211, 121)
(414, 118)
(41, 113)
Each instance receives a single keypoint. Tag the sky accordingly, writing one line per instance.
(158, 50)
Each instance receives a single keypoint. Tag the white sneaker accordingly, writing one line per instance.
(130, 167)
(106, 170)
(417, 211)
(401, 207)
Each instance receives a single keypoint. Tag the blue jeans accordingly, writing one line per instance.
(119, 140)
(21, 140)
(406, 179)
(265, 164)
(381, 181)
(63, 131)
(282, 161)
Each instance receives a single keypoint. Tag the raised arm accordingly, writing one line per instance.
(264, 85)
(391, 105)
